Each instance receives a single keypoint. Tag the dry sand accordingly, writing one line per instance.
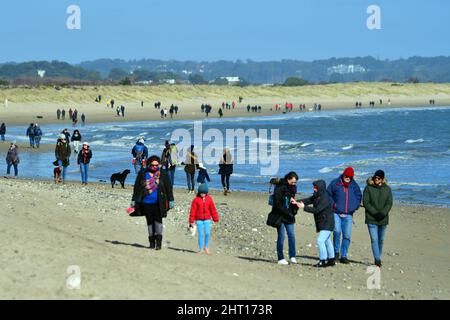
(25, 105)
(47, 228)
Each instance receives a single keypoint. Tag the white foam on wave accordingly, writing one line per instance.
(350, 146)
(409, 141)
(412, 184)
(306, 144)
(128, 138)
(326, 170)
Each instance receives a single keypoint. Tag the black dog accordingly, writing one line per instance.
(119, 177)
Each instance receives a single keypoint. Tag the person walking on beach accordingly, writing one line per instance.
(190, 165)
(58, 114)
(166, 161)
(70, 114)
(226, 170)
(3, 131)
(67, 134)
(346, 198)
(62, 154)
(30, 134)
(203, 175)
(12, 159)
(202, 211)
(37, 135)
(283, 205)
(153, 194)
(140, 155)
(83, 119)
(63, 114)
(220, 113)
(84, 158)
(377, 201)
(324, 220)
(122, 110)
(76, 140)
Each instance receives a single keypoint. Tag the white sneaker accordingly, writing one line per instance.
(283, 262)
(293, 260)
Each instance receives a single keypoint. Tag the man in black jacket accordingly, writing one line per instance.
(284, 194)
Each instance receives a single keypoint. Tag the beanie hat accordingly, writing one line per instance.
(349, 172)
(203, 188)
(86, 143)
(62, 136)
(141, 140)
(379, 173)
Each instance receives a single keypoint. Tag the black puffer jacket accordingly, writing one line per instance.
(165, 191)
(323, 213)
(281, 202)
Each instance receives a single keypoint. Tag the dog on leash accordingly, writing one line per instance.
(57, 175)
(120, 177)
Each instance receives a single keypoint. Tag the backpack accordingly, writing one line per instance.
(139, 150)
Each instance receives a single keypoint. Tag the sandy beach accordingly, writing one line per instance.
(26, 105)
(47, 228)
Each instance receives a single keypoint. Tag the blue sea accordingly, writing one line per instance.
(412, 145)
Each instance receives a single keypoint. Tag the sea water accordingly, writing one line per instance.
(412, 146)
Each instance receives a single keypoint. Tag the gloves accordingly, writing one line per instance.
(171, 204)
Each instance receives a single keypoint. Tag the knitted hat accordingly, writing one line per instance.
(201, 166)
(85, 143)
(380, 174)
(141, 140)
(203, 188)
(349, 172)
(62, 136)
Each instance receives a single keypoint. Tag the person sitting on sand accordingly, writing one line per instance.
(346, 196)
(12, 159)
(153, 194)
(377, 201)
(202, 211)
(284, 193)
(324, 220)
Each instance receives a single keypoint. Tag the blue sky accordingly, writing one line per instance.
(222, 30)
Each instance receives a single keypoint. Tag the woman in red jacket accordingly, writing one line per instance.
(202, 210)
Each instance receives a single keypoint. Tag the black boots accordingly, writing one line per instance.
(378, 263)
(158, 241)
(321, 264)
(331, 262)
(344, 260)
(152, 240)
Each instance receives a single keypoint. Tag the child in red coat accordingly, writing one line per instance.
(202, 210)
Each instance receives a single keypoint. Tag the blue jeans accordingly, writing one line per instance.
(291, 240)
(342, 226)
(37, 141)
(64, 170)
(2, 136)
(8, 169)
(84, 168)
(137, 167)
(190, 181)
(171, 173)
(326, 249)
(204, 233)
(377, 233)
(31, 141)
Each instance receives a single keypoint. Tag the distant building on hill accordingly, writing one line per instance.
(346, 69)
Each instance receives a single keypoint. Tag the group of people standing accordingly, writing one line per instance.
(333, 208)
(73, 116)
(63, 153)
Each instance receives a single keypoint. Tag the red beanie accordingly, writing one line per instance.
(349, 172)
